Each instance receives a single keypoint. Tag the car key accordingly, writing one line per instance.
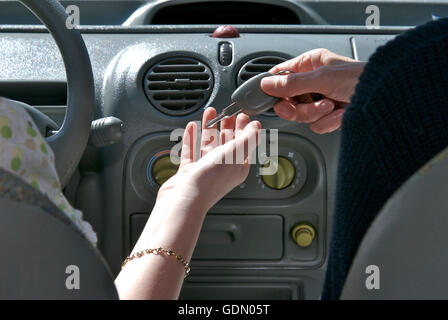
(249, 98)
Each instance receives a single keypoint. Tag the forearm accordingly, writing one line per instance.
(170, 226)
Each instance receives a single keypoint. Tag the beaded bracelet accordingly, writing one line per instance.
(167, 252)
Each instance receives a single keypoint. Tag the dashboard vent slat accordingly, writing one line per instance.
(172, 76)
(179, 68)
(256, 66)
(178, 86)
(176, 105)
(171, 85)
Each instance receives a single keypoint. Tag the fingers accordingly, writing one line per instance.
(209, 137)
(328, 123)
(239, 138)
(311, 60)
(230, 128)
(304, 113)
(321, 115)
(301, 63)
(227, 129)
(295, 84)
(289, 65)
(249, 137)
(335, 80)
(238, 150)
(242, 120)
(189, 144)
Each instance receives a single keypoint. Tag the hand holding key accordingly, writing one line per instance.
(320, 71)
(250, 99)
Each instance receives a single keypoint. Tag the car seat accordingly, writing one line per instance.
(407, 242)
(45, 256)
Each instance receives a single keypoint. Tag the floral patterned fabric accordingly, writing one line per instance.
(26, 154)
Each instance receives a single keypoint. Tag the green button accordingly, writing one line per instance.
(303, 234)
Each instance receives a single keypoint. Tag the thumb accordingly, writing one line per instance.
(294, 84)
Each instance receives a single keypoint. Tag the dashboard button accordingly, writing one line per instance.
(303, 234)
(226, 32)
(225, 53)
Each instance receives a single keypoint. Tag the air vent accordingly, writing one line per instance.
(257, 66)
(178, 86)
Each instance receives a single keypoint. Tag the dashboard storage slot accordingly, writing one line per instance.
(230, 288)
(224, 12)
(233, 237)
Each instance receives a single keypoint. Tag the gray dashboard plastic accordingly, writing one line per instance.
(94, 12)
(119, 61)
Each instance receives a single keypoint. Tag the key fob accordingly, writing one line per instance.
(251, 98)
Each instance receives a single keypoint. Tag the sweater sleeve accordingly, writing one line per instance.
(397, 121)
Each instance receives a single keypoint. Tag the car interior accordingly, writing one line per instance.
(107, 99)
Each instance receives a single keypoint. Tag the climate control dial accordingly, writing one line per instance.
(161, 168)
(284, 175)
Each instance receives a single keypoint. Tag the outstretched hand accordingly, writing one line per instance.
(220, 165)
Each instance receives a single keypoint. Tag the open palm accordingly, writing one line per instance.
(206, 177)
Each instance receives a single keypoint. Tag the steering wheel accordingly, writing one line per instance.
(71, 139)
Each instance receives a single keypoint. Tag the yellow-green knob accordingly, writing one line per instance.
(163, 169)
(303, 234)
(283, 177)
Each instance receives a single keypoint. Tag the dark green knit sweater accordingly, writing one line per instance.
(397, 121)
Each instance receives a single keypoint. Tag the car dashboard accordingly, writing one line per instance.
(267, 239)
